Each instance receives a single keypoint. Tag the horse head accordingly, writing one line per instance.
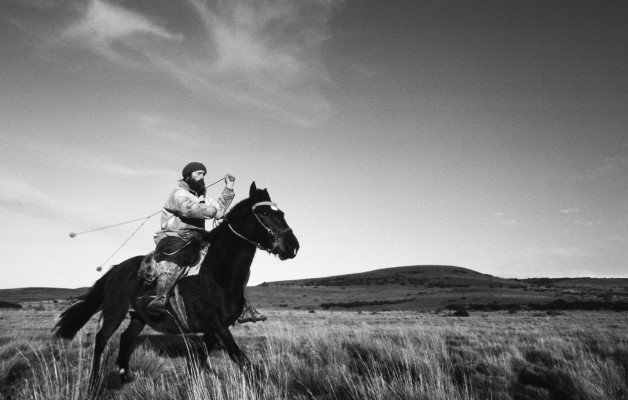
(259, 221)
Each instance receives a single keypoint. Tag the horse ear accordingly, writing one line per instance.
(252, 190)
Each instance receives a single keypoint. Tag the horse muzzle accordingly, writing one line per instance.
(287, 246)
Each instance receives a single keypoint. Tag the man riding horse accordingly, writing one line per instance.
(180, 241)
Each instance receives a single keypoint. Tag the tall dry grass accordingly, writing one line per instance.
(338, 355)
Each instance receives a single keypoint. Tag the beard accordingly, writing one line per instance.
(197, 186)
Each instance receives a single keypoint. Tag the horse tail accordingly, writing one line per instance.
(75, 317)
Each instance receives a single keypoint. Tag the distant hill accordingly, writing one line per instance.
(416, 275)
(417, 287)
(39, 294)
(430, 287)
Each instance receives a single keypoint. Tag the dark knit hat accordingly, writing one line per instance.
(191, 167)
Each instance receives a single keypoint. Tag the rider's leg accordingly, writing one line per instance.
(165, 281)
(249, 314)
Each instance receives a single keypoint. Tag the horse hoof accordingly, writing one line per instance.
(113, 381)
(125, 376)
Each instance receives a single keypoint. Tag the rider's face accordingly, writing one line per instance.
(198, 175)
(196, 181)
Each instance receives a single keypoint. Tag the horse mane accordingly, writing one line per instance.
(236, 211)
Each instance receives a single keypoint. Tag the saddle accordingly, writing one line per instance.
(184, 253)
(180, 254)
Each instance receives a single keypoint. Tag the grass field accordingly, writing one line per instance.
(338, 355)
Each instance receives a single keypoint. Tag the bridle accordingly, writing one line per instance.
(276, 235)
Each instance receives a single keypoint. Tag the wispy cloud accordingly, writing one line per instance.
(115, 32)
(264, 55)
(25, 200)
(510, 222)
(611, 169)
(20, 197)
(17, 195)
(181, 132)
(569, 211)
(129, 171)
(111, 161)
(584, 223)
(561, 251)
(502, 219)
(619, 238)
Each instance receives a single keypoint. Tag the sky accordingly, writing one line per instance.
(490, 135)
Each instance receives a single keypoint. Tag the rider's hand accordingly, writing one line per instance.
(229, 180)
(219, 214)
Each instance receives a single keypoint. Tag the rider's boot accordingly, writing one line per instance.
(250, 314)
(165, 282)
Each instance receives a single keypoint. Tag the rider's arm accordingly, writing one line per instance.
(184, 204)
(222, 203)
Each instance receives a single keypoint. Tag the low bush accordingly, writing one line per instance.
(8, 304)
(359, 303)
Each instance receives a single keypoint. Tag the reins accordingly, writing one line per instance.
(242, 236)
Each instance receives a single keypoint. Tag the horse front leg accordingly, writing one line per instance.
(198, 353)
(228, 343)
(209, 342)
(253, 373)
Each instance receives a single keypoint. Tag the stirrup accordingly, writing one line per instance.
(251, 315)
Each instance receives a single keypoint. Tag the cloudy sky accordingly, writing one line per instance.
(491, 135)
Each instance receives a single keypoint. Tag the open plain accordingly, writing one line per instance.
(324, 354)
(416, 332)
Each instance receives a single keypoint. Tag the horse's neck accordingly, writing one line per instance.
(228, 262)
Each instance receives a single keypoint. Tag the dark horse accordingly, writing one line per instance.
(213, 299)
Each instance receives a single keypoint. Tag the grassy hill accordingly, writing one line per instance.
(430, 287)
(417, 275)
(39, 294)
(418, 287)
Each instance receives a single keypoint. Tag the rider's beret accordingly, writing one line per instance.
(191, 167)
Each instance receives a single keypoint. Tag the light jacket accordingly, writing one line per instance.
(185, 212)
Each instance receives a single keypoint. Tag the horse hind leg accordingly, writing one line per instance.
(198, 353)
(111, 322)
(136, 325)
